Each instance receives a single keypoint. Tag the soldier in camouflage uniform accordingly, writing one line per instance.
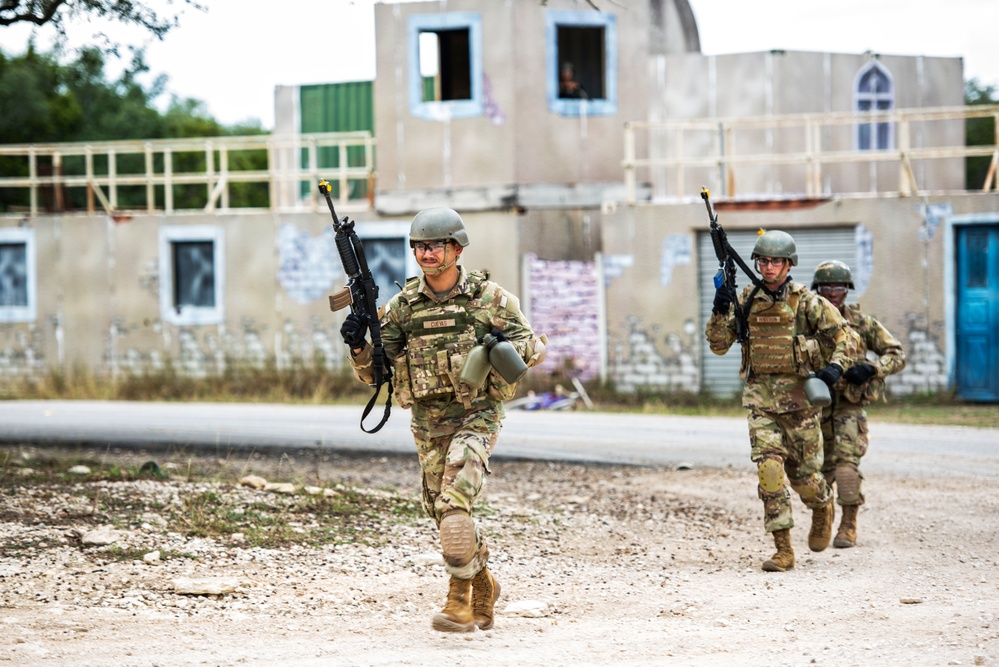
(428, 330)
(844, 423)
(789, 329)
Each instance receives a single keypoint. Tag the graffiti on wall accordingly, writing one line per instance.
(565, 305)
(926, 365)
(308, 266)
(863, 267)
(23, 355)
(207, 351)
(490, 107)
(640, 363)
(677, 251)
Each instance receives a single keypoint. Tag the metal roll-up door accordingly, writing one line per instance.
(720, 374)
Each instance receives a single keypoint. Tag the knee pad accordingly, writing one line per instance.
(848, 483)
(771, 473)
(458, 543)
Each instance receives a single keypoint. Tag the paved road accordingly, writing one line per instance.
(560, 436)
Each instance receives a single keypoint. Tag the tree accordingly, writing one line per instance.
(58, 13)
(978, 131)
(44, 101)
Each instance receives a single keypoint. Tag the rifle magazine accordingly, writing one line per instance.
(341, 299)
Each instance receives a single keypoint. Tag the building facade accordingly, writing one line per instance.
(586, 204)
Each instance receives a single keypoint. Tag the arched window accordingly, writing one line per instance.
(875, 91)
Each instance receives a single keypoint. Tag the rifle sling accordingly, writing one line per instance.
(742, 265)
(371, 404)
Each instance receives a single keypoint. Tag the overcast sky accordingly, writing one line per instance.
(232, 56)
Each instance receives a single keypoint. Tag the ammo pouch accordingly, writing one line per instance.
(498, 388)
(807, 355)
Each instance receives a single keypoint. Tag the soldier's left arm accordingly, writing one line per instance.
(832, 330)
(502, 311)
(891, 355)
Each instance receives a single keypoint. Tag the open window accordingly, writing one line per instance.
(445, 65)
(875, 91)
(386, 249)
(18, 281)
(191, 275)
(581, 63)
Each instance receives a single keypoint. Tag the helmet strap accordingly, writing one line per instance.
(445, 265)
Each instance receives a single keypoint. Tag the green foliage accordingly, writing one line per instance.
(979, 131)
(43, 100)
(58, 13)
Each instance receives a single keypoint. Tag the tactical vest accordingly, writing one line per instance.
(439, 337)
(771, 337)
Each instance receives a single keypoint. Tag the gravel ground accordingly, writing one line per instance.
(598, 565)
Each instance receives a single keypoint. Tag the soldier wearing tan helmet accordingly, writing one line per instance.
(844, 423)
(428, 330)
(792, 333)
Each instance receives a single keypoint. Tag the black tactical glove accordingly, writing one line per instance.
(830, 374)
(724, 296)
(353, 330)
(860, 373)
(498, 335)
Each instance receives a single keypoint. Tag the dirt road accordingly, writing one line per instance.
(609, 565)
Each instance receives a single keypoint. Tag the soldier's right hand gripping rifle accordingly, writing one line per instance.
(361, 294)
(728, 258)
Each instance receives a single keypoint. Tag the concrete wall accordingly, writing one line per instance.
(99, 297)
(516, 143)
(654, 319)
(99, 304)
(694, 86)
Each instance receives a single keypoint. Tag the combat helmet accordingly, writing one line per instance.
(775, 243)
(435, 224)
(832, 271)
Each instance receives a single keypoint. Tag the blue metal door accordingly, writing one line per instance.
(978, 312)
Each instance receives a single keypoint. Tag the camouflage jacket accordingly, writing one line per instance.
(876, 339)
(819, 333)
(427, 340)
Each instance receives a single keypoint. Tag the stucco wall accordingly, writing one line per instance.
(653, 295)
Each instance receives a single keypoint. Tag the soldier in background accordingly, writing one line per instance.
(844, 423)
(791, 332)
(428, 330)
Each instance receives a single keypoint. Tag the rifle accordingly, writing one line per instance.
(361, 294)
(728, 258)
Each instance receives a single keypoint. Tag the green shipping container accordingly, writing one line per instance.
(339, 107)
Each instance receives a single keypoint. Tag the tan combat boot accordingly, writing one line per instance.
(485, 592)
(822, 524)
(784, 558)
(846, 536)
(456, 616)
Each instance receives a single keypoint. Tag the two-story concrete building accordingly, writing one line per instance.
(586, 204)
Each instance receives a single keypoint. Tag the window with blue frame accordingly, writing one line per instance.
(191, 275)
(581, 62)
(875, 91)
(445, 65)
(18, 287)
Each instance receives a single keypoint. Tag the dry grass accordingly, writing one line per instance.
(313, 384)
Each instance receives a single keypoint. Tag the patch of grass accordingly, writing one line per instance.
(299, 382)
(206, 506)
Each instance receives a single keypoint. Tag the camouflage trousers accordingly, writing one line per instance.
(787, 443)
(844, 432)
(454, 445)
